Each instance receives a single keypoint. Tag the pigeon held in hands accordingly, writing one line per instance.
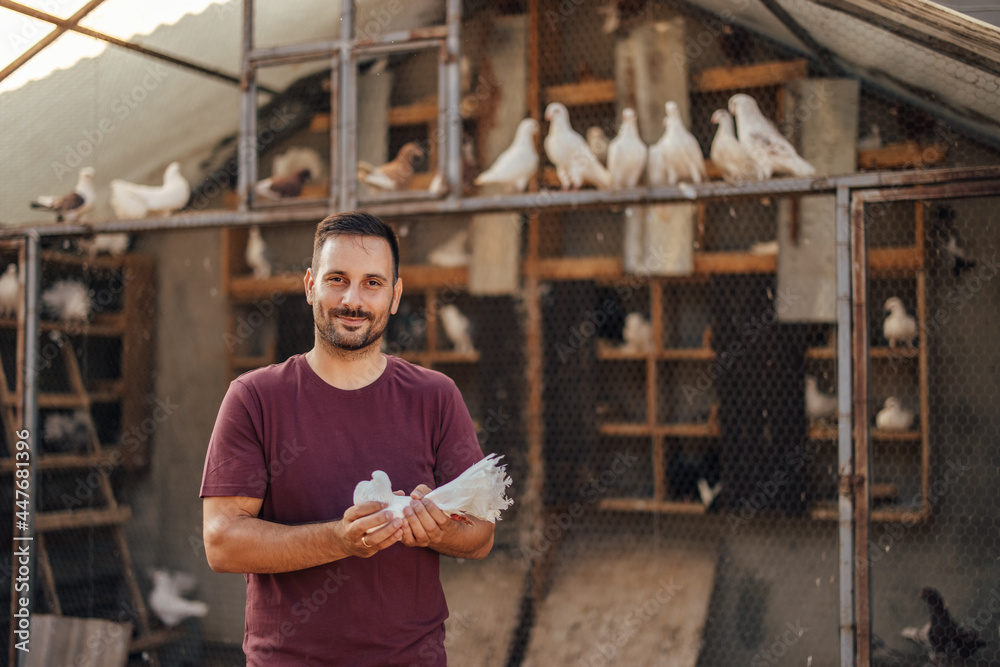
(478, 492)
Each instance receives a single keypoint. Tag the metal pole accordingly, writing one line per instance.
(23, 563)
(453, 140)
(845, 453)
(347, 125)
(247, 147)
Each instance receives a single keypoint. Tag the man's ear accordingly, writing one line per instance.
(308, 281)
(397, 294)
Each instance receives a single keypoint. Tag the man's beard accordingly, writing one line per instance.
(360, 338)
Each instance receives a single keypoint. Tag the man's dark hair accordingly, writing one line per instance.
(355, 223)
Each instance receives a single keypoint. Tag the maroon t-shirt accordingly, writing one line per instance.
(287, 437)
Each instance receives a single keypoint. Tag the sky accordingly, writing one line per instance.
(119, 18)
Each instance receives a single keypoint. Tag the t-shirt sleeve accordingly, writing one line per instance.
(458, 447)
(235, 464)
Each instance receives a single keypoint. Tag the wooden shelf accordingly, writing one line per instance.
(52, 521)
(742, 77)
(905, 155)
(734, 262)
(830, 433)
(103, 325)
(895, 261)
(910, 514)
(598, 91)
(651, 505)
(873, 353)
(690, 430)
(607, 351)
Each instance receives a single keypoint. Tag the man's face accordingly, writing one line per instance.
(352, 293)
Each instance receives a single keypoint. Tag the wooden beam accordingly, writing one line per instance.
(905, 155)
(601, 91)
(749, 76)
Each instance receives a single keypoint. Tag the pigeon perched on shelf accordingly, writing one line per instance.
(167, 601)
(576, 165)
(598, 142)
(456, 327)
(694, 476)
(627, 153)
(677, 155)
(72, 206)
(517, 164)
(396, 174)
(258, 255)
(67, 301)
(893, 417)
(453, 252)
(66, 433)
(818, 404)
(942, 636)
(899, 327)
(727, 153)
(9, 291)
(113, 244)
(296, 159)
(132, 200)
(478, 492)
(638, 333)
(771, 152)
(282, 187)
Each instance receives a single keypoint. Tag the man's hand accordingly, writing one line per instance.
(425, 522)
(359, 519)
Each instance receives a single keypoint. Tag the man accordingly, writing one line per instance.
(291, 442)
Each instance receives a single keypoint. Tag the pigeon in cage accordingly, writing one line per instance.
(677, 155)
(627, 153)
(452, 252)
(727, 153)
(819, 405)
(67, 301)
(282, 187)
(518, 163)
(133, 200)
(72, 206)
(396, 174)
(114, 244)
(258, 256)
(9, 291)
(942, 637)
(872, 140)
(598, 142)
(899, 327)
(771, 152)
(478, 492)
(893, 416)
(296, 159)
(576, 165)
(637, 333)
(950, 240)
(456, 327)
(167, 597)
(695, 476)
(66, 433)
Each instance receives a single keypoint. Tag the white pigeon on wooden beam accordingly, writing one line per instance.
(598, 141)
(899, 327)
(456, 327)
(71, 206)
(637, 333)
(478, 492)
(576, 165)
(727, 153)
(893, 416)
(819, 405)
(167, 601)
(258, 256)
(133, 200)
(453, 252)
(627, 153)
(677, 155)
(9, 291)
(518, 163)
(771, 152)
(67, 301)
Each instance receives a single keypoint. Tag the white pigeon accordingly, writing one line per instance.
(627, 153)
(456, 327)
(819, 405)
(515, 166)
(66, 433)
(258, 255)
(899, 327)
(132, 200)
(708, 492)
(72, 206)
(677, 155)
(770, 151)
(638, 333)
(166, 599)
(872, 140)
(893, 416)
(597, 139)
(576, 165)
(452, 252)
(9, 291)
(478, 492)
(113, 244)
(67, 301)
(727, 153)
